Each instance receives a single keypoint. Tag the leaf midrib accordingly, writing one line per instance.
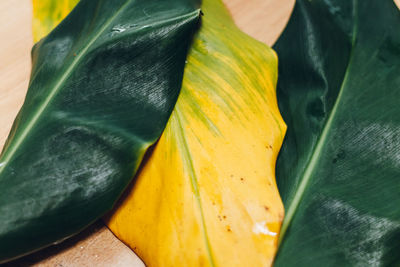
(193, 180)
(21, 137)
(7, 156)
(312, 163)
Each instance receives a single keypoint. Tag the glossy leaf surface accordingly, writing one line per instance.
(102, 88)
(339, 169)
(207, 194)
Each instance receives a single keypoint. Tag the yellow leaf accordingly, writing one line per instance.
(47, 14)
(207, 194)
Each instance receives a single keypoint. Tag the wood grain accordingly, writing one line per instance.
(96, 246)
(15, 27)
(261, 19)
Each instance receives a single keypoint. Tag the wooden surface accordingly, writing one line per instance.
(262, 19)
(96, 246)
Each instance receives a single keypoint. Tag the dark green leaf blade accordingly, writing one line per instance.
(339, 168)
(102, 88)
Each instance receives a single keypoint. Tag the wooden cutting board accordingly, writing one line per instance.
(97, 246)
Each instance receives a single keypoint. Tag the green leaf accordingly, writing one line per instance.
(103, 86)
(339, 168)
